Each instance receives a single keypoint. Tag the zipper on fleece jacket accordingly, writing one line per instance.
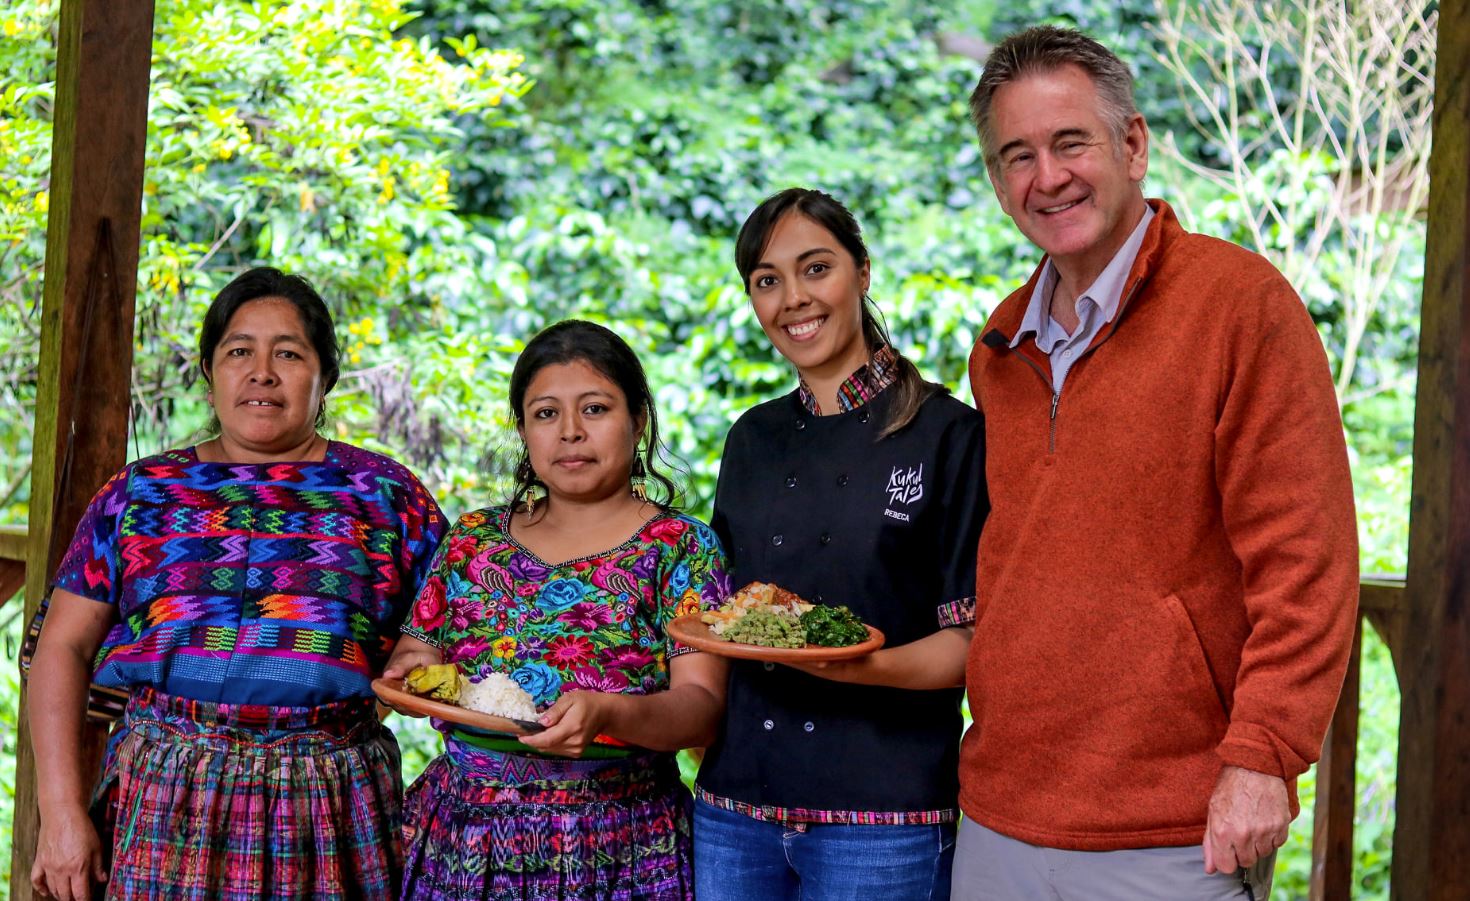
(1056, 395)
(1056, 398)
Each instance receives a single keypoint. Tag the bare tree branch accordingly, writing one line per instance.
(1320, 112)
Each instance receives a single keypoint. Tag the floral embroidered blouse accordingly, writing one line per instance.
(595, 622)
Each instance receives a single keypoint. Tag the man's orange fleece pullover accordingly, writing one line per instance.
(1168, 576)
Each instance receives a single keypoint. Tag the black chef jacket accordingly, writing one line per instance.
(819, 506)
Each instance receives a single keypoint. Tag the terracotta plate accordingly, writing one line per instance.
(392, 694)
(688, 630)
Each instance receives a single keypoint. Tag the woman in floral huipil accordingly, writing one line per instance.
(568, 594)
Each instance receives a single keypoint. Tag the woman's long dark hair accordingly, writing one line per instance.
(576, 340)
(910, 389)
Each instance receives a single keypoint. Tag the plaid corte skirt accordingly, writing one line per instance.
(241, 802)
(483, 825)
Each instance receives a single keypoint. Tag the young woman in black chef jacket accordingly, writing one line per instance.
(864, 487)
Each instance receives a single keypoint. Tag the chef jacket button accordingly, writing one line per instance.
(825, 539)
(863, 416)
(842, 481)
(800, 424)
(777, 539)
(769, 724)
(809, 726)
(769, 667)
(791, 481)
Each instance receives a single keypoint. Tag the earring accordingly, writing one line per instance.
(525, 475)
(639, 478)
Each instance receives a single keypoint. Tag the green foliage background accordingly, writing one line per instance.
(450, 198)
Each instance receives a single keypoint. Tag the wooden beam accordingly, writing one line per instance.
(1381, 602)
(13, 543)
(1380, 594)
(12, 561)
(1431, 846)
(12, 579)
(97, 149)
(1337, 791)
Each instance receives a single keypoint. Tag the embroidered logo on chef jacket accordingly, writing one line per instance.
(906, 487)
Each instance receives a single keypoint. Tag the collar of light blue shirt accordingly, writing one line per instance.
(1103, 295)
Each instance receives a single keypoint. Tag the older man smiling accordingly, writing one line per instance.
(1167, 581)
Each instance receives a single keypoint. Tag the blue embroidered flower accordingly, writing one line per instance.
(559, 594)
(539, 680)
(679, 580)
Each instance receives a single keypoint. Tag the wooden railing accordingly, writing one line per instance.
(12, 561)
(1379, 602)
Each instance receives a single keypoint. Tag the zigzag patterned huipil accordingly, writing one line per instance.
(277, 584)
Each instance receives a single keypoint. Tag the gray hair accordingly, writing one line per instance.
(1046, 48)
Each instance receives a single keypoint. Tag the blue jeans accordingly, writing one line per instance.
(737, 858)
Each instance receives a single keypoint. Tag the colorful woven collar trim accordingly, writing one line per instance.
(860, 387)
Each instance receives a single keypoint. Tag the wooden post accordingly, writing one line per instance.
(1336, 804)
(100, 128)
(1431, 842)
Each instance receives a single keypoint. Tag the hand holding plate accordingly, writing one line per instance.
(573, 723)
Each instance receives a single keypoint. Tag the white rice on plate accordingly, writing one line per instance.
(498, 695)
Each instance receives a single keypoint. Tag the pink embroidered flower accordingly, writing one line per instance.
(666, 530)
(626, 658)
(588, 677)
(428, 612)
(465, 611)
(468, 649)
(586, 617)
(460, 548)
(568, 651)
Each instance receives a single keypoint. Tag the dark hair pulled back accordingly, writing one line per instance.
(576, 340)
(910, 388)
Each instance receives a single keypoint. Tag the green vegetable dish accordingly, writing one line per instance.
(772, 617)
(769, 630)
(833, 627)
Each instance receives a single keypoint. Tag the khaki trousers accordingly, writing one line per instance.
(989, 866)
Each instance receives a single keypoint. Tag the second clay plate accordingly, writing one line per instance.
(689, 630)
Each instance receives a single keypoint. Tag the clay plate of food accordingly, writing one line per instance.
(765, 622)
(392, 693)
(442, 692)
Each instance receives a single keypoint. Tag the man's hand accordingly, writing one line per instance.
(1249, 818)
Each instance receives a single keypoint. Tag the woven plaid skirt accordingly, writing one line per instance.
(486, 824)
(240, 802)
